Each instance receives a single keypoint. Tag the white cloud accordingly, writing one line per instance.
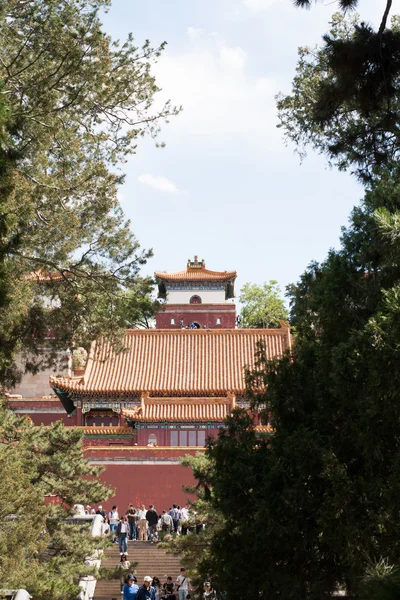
(258, 5)
(233, 57)
(195, 32)
(219, 93)
(162, 184)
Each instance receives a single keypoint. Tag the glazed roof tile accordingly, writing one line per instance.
(181, 409)
(264, 428)
(175, 362)
(111, 430)
(196, 274)
(45, 276)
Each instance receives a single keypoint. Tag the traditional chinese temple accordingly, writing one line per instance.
(168, 391)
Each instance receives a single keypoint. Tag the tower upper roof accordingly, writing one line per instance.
(196, 271)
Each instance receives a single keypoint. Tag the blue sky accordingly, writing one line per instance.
(225, 187)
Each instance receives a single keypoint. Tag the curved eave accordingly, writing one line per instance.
(65, 399)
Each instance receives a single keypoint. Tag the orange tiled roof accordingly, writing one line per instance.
(263, 428)
(111, 430)
(196, 274)
(45, 276)
(181, 409)
(175, 362)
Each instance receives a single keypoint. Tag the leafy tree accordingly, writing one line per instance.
(40, 551)
(77, 104)
(315, 506)
(344, 99)
(261, 305)
(194, 549)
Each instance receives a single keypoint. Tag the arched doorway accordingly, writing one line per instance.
(195, 299)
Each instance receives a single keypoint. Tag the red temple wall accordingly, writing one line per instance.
(158, 484)
(144, 475)
(41, 411)
(204, 314)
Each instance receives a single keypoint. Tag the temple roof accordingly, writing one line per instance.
(173, 363)
(181, 409)
(195, 271)
(45, 276)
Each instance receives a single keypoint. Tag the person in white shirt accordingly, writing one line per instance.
(113, 518)
(184, 520)
(122, 532)
(142, 523)
(182, 584)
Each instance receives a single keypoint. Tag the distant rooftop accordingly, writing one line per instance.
(195, 271)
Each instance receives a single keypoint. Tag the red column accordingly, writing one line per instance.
(79, 416)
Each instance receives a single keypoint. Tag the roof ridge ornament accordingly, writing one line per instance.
(196, 264)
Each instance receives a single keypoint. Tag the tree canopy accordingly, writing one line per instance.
(74, 104)
(261, 305)
(344, 99)
(39, 550)
(314, 507)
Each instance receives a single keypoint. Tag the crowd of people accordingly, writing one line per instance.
(152, 588)
(139, 524)
(146, 525)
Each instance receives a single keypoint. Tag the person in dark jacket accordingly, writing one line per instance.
(146, 591)
(152, 519)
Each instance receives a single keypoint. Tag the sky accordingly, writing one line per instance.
(225, 187)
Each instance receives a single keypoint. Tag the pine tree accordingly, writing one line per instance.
(44, 474)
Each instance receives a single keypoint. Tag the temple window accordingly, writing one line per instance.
(218, 321)
(152, 440)
(194, 437)
(195, 300)
(172, 321)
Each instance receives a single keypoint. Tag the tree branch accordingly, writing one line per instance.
(382, 26)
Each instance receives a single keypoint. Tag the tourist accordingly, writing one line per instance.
(122, 533)
(184, 520)
(146, 590)
(131, 588)
(142, 523)
(88, 509)
(168, 589)
(176, 516)
(152, 519)
(102, 512)
(156, 584)
(209, 593)
(166, 524)
(132, 516)
(182, 584)
(113, 518)
(124, 566)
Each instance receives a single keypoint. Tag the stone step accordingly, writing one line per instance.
(151, 560)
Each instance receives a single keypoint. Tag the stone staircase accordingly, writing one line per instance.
(151, 560)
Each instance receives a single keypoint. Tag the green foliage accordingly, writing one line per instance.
(39, 550)
(324, 490)
(77, 104)
(344, 99)
(261, 306)
(381, 582)
(194, 548)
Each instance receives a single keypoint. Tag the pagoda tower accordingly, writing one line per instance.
(196, 298)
